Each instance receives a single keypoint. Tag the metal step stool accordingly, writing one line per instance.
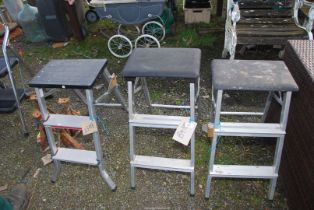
(176, 63)
(250, 75)
(71, 74)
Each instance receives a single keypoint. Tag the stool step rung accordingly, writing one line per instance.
(156, 121)
(65, 121)
(159, 163)
(243, 113)
(171, 106)
(242, 171)
(76, 156)
(250, 129)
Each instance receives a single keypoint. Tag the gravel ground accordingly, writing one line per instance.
(81, 187)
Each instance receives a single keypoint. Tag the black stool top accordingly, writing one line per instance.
(69, 73)
(3, 66)
(164, 62)
(252, 75)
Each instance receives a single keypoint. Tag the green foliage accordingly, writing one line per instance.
(202, 155)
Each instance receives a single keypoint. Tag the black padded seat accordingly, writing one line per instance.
(3, 68)
(69, 73)
(257, 75)
(164, 62)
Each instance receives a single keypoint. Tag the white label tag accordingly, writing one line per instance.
(46, 159)
(89, 127)
(113, 82)
(184, 132)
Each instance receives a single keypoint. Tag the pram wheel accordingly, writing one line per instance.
(130, 31)
(146, 41)
(91, 16)
(120, 46)
(155, 29)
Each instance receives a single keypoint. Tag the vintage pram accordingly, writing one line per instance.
(129, 14)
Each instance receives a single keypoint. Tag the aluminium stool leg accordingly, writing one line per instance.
(211, 165)
(267, 105)
(51, 140)
(273, 181)
(192, 116)
(146, 91)
(131, 133)
(197, 92)
(53, 148)
(142, 86)
(56, 171)
(192, 187)
(80, 95)
(280, 142)
(96, 140)
(217, 109)
(132, 154)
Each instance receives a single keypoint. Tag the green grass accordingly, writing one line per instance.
(156, 95)
(188, 37)
(202, 154)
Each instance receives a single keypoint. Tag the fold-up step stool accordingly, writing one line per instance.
(176, 63)
(78, 74)
(250, 75)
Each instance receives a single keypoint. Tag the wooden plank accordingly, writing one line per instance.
(262, 4)
(266, 33)
(266, 13)
(268, 27)
(265, 20)
(245, 40)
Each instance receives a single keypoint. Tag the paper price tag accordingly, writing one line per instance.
(184, 132)
(113, 81)
(89, 127)
(209, 129)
